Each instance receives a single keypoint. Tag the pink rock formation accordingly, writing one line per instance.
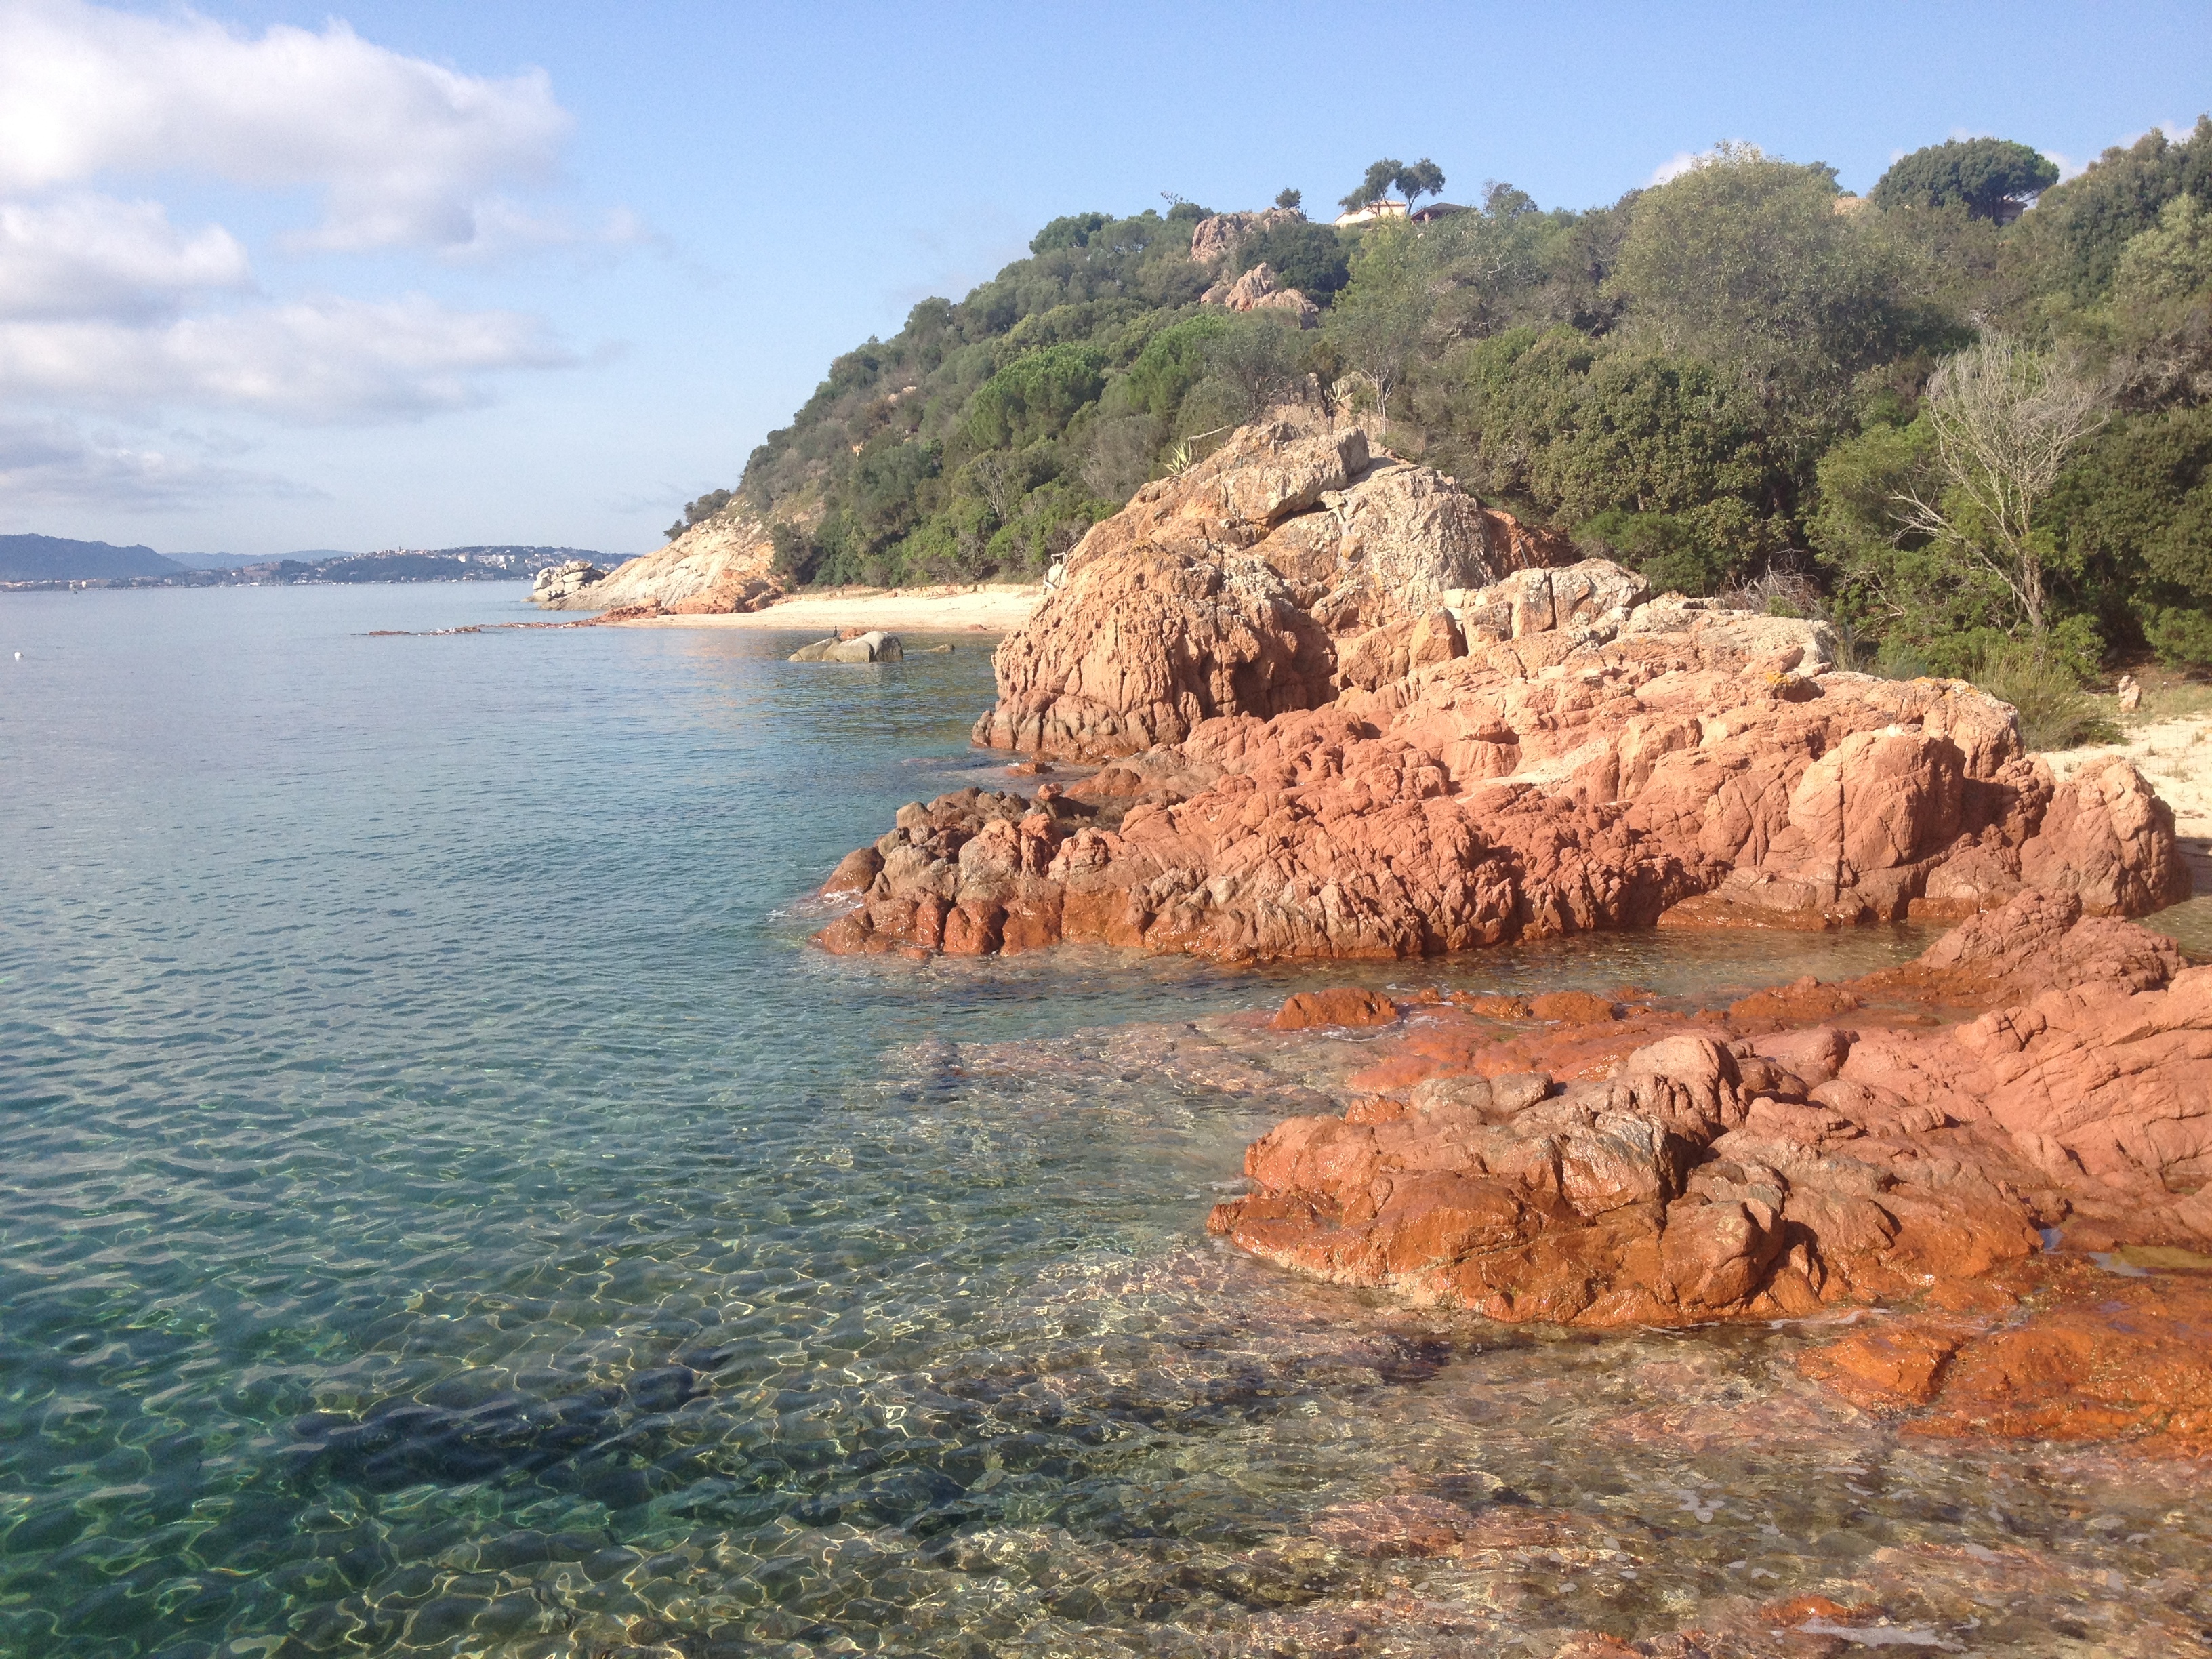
(1692, 1174)
(1257, 289)
(1342, 730)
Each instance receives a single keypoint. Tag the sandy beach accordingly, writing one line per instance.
(994, 609)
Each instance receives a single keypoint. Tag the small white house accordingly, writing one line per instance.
(1371, 212)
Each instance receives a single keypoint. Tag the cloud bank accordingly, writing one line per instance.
(113, 311)
(405, 152)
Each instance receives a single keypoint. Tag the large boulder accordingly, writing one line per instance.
(874, 646)
(2109, 839)
(1257, 289)
(1233, 588)
(1131, 652)
(560, 582)
(1218, 236)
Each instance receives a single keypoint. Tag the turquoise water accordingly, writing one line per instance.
(446, 1210)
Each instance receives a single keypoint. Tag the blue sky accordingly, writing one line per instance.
(278, 275)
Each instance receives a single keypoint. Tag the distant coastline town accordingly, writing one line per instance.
(54, 563)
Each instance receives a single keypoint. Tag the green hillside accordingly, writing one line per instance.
(1725, 381)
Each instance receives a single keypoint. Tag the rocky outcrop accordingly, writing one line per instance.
(2053, 1351)
(1339, 729)
(559, 582)
(1551, 783)
(723, 564)
(1235, 587)
(1257, 289)
(1220, 235)
(1715, 1169)
(876, 645)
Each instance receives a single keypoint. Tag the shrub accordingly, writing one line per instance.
(796, 553)
(2047, 693)
(1311, 258)
(693, 512)
(2180, 637)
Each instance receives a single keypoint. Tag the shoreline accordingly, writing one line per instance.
(948, 609)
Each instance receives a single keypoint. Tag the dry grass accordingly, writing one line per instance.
(2170, 699)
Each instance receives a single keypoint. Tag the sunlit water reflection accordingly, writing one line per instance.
(445, 1211)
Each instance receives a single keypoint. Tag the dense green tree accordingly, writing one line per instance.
(1289, 198)
(1375, 186)
(1486, 270)
(2135, 512)
(1172, 362)
(1744, 261)
(2076, 236)
(1891, 581)
(1376, 322)
(2170, 261)
(1990, 177)
(1423, 177)
(1311, 258)
(1036, 395)
(1071, 230)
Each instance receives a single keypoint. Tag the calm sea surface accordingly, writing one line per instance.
(445, 1209)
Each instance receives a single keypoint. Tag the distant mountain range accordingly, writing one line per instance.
(55, 561)
(238, 561)
(51, 558)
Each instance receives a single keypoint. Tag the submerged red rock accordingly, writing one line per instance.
(1687, 1171)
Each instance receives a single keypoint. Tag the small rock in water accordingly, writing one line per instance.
(875, 647)
(1342, 1007)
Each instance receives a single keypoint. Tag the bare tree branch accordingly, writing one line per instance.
(2006, 420)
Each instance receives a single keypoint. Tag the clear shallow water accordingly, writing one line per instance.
(445, 1211)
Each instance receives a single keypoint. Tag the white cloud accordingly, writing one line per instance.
(406, 153)
(504, 230)
(1681, 162)
(324, 360)
(92, 256)
(51, 463)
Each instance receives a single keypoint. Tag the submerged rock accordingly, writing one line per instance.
(1683, 1172)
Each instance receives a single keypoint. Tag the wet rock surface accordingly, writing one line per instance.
(1576, 1492)
(1579, 1166)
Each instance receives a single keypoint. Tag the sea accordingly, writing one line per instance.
(446, 1207)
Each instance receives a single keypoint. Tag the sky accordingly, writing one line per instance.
(277, 276)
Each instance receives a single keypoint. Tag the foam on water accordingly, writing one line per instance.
(447, 1210)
